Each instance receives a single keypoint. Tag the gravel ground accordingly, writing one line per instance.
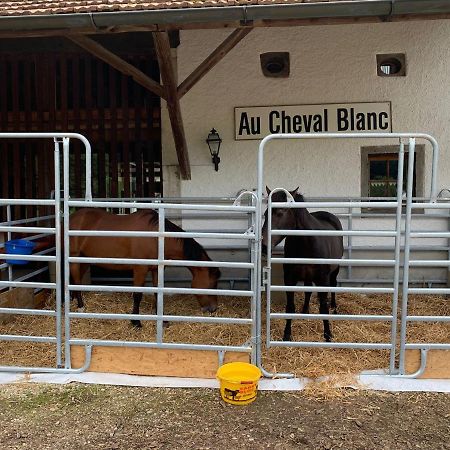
(103, 417)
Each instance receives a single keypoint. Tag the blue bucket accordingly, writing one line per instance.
(19, 247)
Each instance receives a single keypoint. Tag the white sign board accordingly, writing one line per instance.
(259, 121)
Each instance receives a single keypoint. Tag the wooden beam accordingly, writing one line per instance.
(167, 71)
(118, 63)
(8, 34)
(217, 55)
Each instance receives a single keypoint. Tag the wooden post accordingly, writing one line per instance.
(162, 47)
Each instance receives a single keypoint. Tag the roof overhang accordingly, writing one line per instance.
(204, 17)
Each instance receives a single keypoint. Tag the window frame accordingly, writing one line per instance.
(377, 152)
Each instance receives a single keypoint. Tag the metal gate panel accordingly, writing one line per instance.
(14, 227)
(396, 262)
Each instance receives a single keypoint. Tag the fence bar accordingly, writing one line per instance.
(28, 312)
(30, 230)
(374, 233)
(342, 262)
(420, 346)
(352, 345)
(58, 249)
(155, 317)
(154, 290)
(361, 317)
(360, 290)
(30, 220)
(404, 311)
(154, 234)
(428, 318)
(25, 202)
(159, 294)
(168, 345)
(128, 205)
(28, 284)
(66, 270)
(397, 251)
(165, 262)
(7, 257)
(18, 338)
(336, 205)
(9, 235)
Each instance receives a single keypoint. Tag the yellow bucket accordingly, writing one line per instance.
(238, 382)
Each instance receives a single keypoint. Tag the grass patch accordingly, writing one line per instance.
(51, 399)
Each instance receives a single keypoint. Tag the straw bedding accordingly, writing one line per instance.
(303, 362)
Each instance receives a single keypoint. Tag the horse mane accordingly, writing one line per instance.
(323, 216)
(298, 197)
(191, 248)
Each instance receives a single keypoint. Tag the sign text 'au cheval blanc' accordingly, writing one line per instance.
(259, 121)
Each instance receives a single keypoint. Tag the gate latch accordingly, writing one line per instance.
(265, 275)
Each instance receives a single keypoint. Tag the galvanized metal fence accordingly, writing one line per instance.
(401, 266)
(400, 237)
(12, 227)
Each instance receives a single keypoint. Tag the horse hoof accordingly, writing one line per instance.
(287, 338)
(328, 338)
(81, 310)
(136, 324)
(166, 324)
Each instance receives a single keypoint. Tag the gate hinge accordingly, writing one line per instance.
(265, 275)
(251, 230)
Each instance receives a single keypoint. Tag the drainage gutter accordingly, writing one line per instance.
(177, 18)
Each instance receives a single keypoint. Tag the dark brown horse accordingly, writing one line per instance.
(329, 247)
(137, 248)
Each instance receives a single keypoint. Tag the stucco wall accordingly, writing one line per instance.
(329, 64)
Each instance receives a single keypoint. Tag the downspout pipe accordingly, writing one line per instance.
(241, 14)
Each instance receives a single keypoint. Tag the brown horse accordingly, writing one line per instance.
(139, 248)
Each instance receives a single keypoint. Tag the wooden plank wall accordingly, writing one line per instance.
(75, 92)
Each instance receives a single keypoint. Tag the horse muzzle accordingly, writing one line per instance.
(209, 308)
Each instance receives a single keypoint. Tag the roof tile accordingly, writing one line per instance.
(27, 7)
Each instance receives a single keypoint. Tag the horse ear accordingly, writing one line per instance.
(268, 190)
(295, 191)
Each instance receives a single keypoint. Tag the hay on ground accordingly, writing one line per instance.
(301, 361)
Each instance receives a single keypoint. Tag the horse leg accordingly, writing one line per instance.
(323, 309)
(155, 284)
(307, 299)
(290, 303)
(76, 273)
(139, 275)
(333, 283)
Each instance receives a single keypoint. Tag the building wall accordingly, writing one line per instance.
(329, 64)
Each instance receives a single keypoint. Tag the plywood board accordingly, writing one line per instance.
(21, 298)
(438, 363)
(155, 362)
(15, 298)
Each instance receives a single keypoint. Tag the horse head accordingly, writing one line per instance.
(282, 218)
(206, 278)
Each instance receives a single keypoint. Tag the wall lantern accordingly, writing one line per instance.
(213, 140)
